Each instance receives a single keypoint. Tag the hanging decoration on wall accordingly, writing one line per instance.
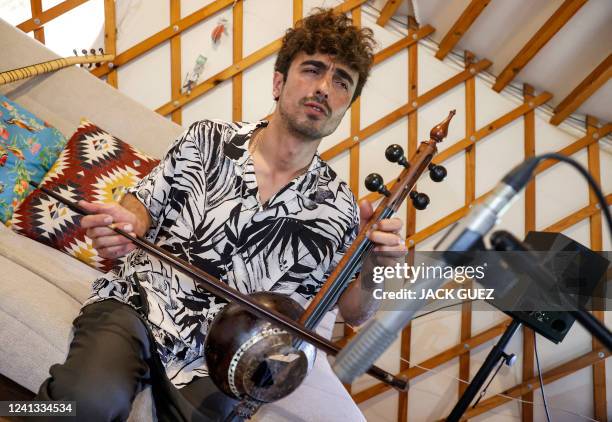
(192, 77)
(219, 30)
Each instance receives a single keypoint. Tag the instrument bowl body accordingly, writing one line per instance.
(250, 357)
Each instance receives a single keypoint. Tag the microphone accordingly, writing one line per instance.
(467, 234)
(378, 334)
(371, 341)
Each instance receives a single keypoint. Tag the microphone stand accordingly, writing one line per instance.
(493, 358)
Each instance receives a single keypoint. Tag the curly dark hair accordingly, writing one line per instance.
(330, 33)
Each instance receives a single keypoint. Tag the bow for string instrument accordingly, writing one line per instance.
(251, 348)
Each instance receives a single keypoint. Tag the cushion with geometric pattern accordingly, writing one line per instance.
(94, 166)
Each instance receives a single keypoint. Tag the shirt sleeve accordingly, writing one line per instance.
(165, 188)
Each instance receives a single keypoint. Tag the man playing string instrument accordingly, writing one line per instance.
(252, 204)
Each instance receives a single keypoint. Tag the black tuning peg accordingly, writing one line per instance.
(84, 51)
(101, 50)
(437, 173)
(395, 154)
(419, 200)
(375, 183)
(76, 53)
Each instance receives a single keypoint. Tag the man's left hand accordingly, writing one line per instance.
(356, 303)
(385, 234)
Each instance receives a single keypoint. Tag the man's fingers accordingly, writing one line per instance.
(392, 225)
(96, 220)
(94, 208)
(113, 209)
(109, 241)
(105, 215)
(385, 238)
(125, 227)
(96, 232)
(101, 231)
(116, 251)
(388, 254)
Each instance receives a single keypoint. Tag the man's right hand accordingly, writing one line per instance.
(108, 243)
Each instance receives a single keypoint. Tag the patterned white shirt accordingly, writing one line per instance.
(205, 208)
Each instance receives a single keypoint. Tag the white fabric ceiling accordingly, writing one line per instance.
(505, 26)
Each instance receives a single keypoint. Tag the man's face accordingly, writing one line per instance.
(315, 95)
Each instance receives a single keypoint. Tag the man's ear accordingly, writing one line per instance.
(278, 81)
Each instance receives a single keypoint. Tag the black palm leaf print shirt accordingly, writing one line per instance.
(204, 205)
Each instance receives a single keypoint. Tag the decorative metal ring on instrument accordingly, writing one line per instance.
(231, 373)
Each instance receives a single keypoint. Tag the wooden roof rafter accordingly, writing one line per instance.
(388, 11)
(558, 19)
(186, 23)
(461, 26)
(595, 80)
(110, 37)
(36, 8)
(579, 215)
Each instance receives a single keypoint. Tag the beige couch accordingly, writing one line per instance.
(42, 289)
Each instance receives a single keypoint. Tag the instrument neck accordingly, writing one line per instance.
(342, 281)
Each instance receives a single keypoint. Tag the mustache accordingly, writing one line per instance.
(318, 100)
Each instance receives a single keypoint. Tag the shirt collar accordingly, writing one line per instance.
(237, 146)
(237, 149)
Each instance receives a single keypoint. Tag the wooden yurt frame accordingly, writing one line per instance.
(526, 111)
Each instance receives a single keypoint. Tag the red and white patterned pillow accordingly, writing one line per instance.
(94, 166)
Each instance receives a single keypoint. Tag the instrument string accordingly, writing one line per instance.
(496, 394)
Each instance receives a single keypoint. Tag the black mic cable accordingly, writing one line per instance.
(592, 183)
(467, 234)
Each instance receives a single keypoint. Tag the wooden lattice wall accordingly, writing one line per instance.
(410, 112)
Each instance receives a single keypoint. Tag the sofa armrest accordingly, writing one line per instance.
(65, 272)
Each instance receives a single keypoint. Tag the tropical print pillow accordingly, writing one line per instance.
(28, 149)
